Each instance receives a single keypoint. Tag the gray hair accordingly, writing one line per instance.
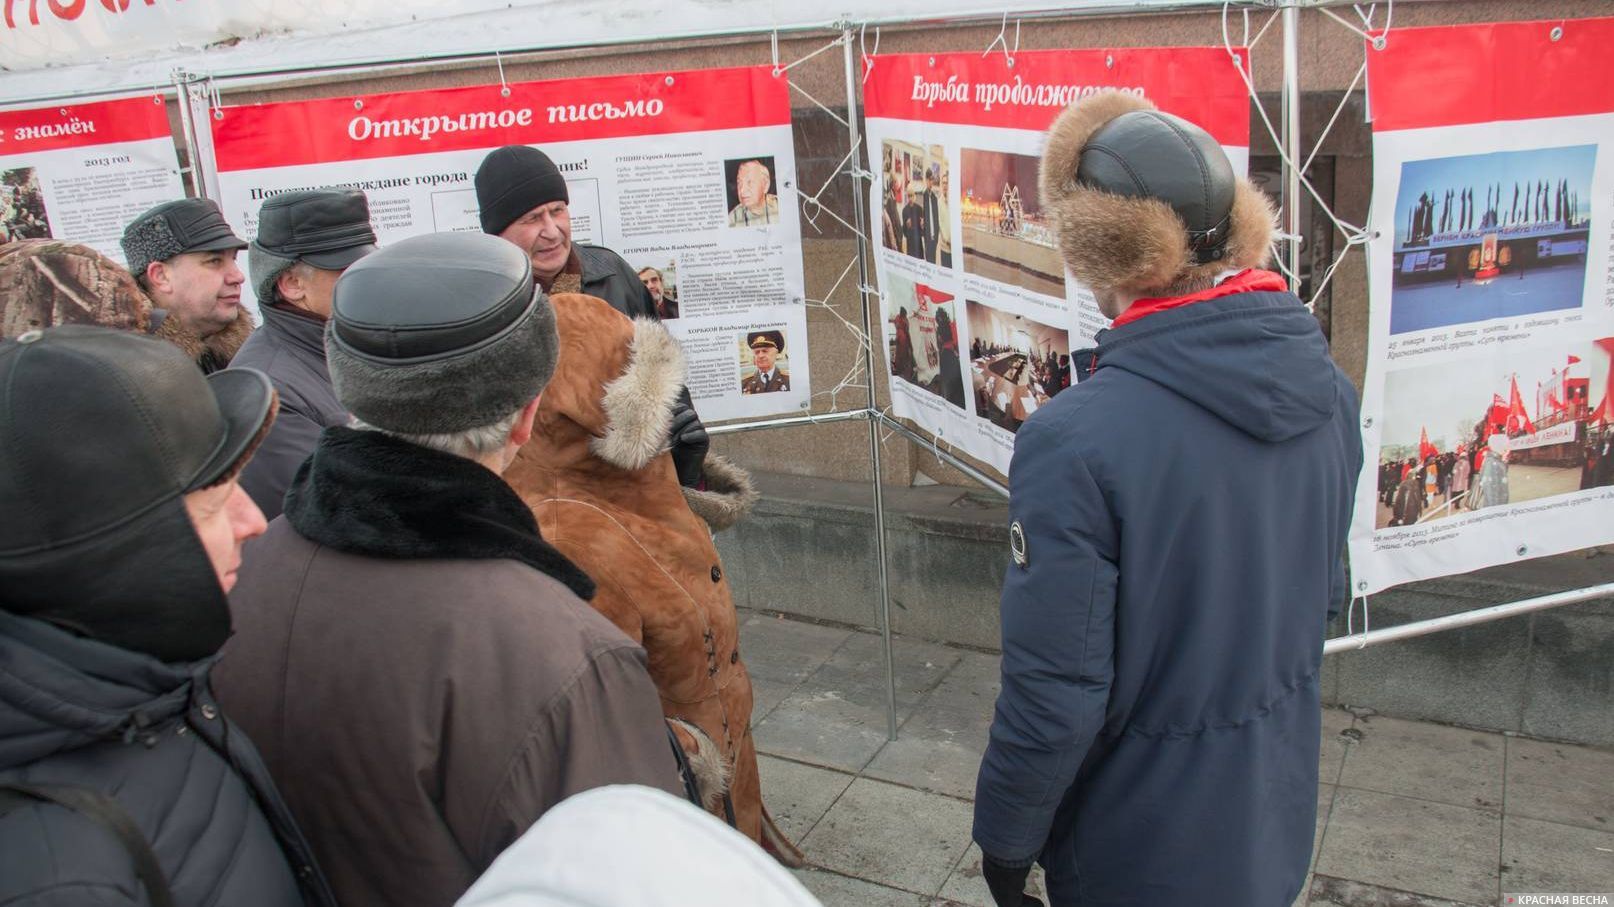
(471, 443)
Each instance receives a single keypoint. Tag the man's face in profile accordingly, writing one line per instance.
(751, 184)
(651, 278)
(763, 355)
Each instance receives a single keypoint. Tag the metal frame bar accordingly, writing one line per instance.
(1466, 618)
(855, 166)
(1291, 128)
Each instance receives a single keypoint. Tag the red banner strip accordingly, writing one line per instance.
(101, 123)
(1199, 84)
(1457, 74)
(535, 113)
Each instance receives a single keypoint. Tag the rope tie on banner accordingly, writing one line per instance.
(1350, 624)
(863, 49)
(504, 87)
(1002, 38)
(781, 70)
(215, 98)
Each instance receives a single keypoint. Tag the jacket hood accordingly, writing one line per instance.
(1257, 360)
(59, 692)
(610, 404)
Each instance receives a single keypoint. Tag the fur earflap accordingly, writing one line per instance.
(1113, 242)
(706, 763)
(727, 498)
(639, 404)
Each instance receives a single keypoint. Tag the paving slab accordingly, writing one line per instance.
(1326, 891)
(1542, 856)
(1561, 783)
(940, 746)
(1429, 761)
(786, 650)
(798, 795)
(892, 836)
(1331, 756)
(766, 695)
(839, 891)
(967, 887)
(837, 717)
(1325, 804)
(1418, 846)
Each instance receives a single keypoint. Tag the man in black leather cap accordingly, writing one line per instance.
(417, 664)
(305, 241)
(1178, 517)
(120, 780)
(523, 199)
(183, 254)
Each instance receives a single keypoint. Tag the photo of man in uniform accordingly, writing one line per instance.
(755, 205)
(766, 347)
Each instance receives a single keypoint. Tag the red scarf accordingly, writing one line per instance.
(1247, 281)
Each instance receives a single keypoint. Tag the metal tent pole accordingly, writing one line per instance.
(1465, 618)
(1291, 140)
(855, 167)
(183, 83)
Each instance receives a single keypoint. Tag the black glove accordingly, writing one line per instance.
(687, 438)
(1007, 883)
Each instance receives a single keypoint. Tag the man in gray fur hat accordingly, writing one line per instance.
(417, 665)
(305, 241)
(1177, 520)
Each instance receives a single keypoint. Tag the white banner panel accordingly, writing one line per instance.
(663, 168)
(1487, 407)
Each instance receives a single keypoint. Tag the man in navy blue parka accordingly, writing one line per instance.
(1178, 517)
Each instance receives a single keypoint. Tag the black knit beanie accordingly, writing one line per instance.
(514, 180)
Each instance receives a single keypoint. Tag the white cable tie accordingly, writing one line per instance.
(504, 87)
(776, 69)
(868, 59)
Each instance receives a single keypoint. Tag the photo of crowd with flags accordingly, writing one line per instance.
(922, 340)
(1485, 236)
(1454, 444)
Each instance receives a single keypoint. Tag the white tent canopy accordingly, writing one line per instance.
(98, 51)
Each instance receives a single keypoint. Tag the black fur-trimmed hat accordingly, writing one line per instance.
(1143, 200)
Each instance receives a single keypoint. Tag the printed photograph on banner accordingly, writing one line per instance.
(922, 338)
(1466, 436)
(751, 197)
(660, 276)
(22, 206)
(1016, 364)
(914, 216)
(764, 362)
(1007, 237)
(1483, 236)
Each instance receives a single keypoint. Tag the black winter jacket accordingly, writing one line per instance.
(79, 713)
(290, 349)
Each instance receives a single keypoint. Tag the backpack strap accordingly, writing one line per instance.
(105, 811)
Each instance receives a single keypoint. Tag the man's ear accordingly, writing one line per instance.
(290, 286)
(157, 276)
(521, 432)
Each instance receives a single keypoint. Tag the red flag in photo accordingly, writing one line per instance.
(1425, 449)
(1557, 405)
(1496, 419)
(1604, 412)
(1518, 421)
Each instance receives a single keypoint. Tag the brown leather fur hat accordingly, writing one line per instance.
(1136, 243)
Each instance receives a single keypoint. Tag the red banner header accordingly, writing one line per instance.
(100, 123)
(535, 113)
(1459, 74)
(1199, 84)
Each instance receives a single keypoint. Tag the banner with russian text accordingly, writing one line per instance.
(82, 172)
(980, 316)
(1488, 404)
(689, 174)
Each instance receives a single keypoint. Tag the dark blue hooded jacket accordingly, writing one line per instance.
(1184, 509)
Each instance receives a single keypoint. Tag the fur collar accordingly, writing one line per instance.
(727, 496)
(369, 494)
(639, 403)
(210, 353)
